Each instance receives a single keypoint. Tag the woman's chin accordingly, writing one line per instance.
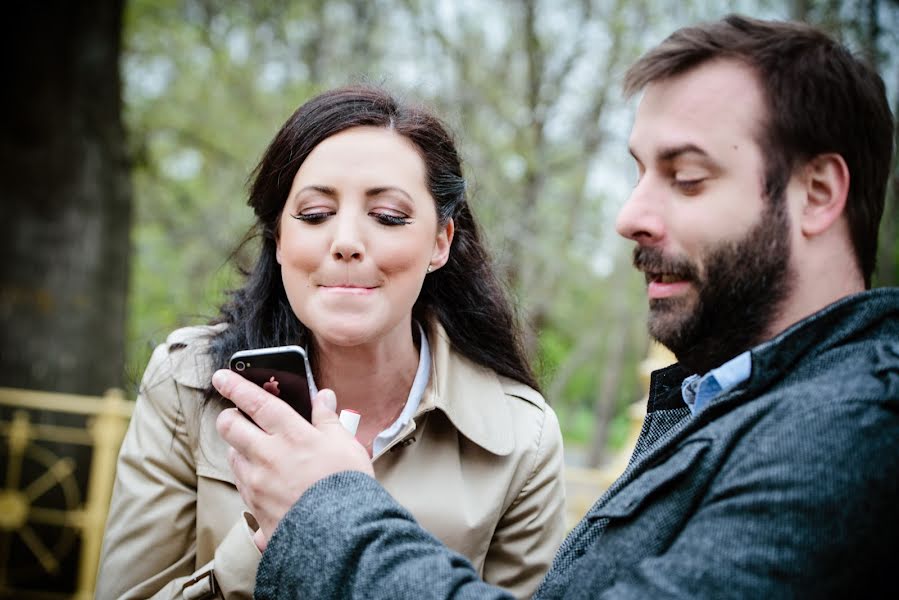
(343, 334)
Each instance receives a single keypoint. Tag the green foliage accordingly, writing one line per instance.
(531, 89)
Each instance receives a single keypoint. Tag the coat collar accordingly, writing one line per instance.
(828, 328)
(775, 359)
(870, 315)
(471, 396)
(191, 362)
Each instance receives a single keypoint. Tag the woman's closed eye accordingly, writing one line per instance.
(313, 217)
(390, 219)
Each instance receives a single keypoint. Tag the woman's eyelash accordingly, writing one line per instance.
(311, 217)
(382, 218)
(388, 219)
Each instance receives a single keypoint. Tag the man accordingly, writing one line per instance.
(768, 464)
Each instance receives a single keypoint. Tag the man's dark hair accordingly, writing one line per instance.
(819, 97)
(464, 295)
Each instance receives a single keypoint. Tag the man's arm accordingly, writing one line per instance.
(347, 537)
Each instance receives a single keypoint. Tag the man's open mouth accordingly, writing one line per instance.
(664, 277)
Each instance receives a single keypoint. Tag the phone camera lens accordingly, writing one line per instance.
(240, 365)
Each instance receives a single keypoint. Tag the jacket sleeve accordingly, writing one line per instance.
(346, 537)
(149, 547)
(530, 531)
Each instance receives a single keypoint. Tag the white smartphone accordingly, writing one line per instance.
(283, 371)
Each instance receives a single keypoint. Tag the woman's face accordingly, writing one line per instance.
(357, 235)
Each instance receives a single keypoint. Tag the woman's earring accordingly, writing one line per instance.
(430, 268)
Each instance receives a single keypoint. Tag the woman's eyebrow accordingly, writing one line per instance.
(321, 189)
(380, 190)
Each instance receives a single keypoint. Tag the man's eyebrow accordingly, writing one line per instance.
(668, 154)
(673, 152)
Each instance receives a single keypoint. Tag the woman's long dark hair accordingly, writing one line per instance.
(464, 295)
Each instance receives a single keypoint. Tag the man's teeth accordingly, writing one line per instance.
(668, 278)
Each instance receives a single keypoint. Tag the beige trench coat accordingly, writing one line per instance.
(480, 467)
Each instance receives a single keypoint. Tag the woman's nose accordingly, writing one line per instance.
(347, 243)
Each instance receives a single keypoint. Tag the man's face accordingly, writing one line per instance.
(715, 251)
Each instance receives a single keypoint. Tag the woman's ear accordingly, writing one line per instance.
(826, 179)
(442, 245)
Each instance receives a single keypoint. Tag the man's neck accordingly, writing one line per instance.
(814, 292)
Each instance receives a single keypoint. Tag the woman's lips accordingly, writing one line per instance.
(351, 290)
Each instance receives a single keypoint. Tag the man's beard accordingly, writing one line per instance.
(740, 294)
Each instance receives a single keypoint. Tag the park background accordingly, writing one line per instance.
(130, 129)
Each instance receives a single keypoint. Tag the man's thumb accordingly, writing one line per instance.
(324, 405)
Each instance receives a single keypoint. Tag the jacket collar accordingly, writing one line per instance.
(192, 368)
(775, 359)
(470, 395)
(828, 328)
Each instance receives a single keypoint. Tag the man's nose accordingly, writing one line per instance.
(640, 219)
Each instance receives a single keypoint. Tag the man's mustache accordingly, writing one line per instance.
(653, 261)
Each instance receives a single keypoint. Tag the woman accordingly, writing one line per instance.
(371, 259)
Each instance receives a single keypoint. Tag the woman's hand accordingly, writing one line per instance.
(280, 459)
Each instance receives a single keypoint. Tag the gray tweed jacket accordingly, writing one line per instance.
(786, 487)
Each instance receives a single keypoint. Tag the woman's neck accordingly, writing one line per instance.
(373, 379)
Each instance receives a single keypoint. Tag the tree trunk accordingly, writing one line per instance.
(607, 395)
(66, 197)
(617, 346)
(799, 9)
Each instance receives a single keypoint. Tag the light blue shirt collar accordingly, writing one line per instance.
(699, 390)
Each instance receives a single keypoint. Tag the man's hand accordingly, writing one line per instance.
(280, 459)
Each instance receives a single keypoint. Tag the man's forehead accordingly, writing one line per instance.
(720, 98)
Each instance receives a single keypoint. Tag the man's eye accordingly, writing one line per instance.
(313, 218)
(389, 219)
(688, 185)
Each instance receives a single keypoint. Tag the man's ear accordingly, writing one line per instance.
(442, 245)
(826, 179)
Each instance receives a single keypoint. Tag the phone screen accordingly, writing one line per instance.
(283, 372)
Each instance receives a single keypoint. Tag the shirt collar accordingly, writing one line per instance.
(422, 376)
(699, 390)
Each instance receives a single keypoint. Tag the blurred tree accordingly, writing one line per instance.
(871, 27)
(66, 198)
(207, 86)
(529, 86)
(66, 193)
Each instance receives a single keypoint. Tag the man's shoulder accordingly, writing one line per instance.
(863, 370)
(832, 404)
